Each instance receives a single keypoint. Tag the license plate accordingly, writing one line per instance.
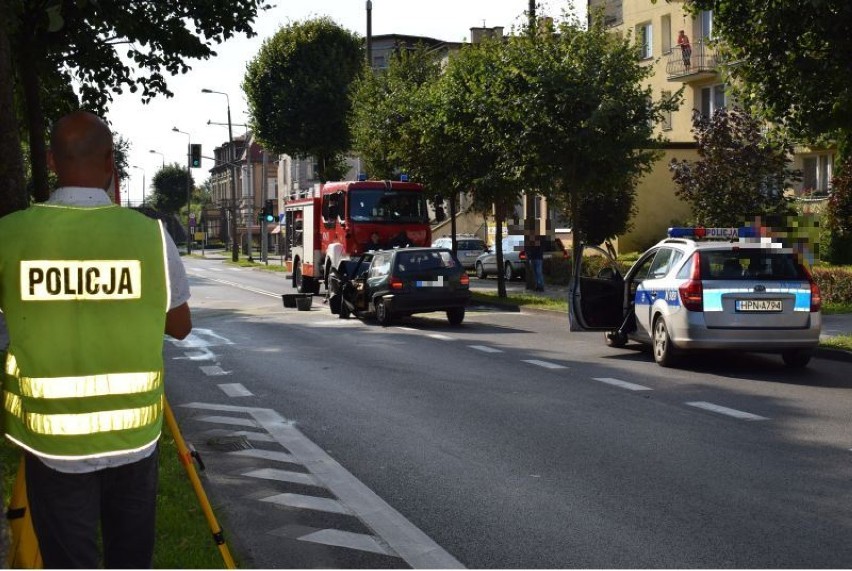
(437, 283)
(759, 305)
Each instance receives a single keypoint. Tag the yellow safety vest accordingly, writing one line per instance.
(84, 292)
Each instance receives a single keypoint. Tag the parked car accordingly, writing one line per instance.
(468, 248)
(688, 293)
(514, 257)
(392, 283)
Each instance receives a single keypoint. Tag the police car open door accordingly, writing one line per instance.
(596, 297)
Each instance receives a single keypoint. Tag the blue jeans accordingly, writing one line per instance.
(538, 272)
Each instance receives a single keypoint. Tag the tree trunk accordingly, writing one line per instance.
(28, 70)
(12, 190)
(499, 217)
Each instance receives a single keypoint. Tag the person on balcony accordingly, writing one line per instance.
(685, 48)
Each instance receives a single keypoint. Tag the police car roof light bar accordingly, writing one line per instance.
(701, 233)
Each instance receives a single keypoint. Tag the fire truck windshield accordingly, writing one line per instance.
(381, 205)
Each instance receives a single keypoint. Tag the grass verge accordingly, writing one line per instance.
(843, 342)
(521, 299)
(184, 540)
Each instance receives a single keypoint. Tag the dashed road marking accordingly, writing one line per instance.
(232, 420)
(235, 390)
(485, 349)
(301, 501)
(338, 538)
(266, 455)
(441, 337)
(622, 384)
(214, 371)
(545, 364)
(283, 476)
(726, 411)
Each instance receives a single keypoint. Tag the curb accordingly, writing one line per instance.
(833, 354)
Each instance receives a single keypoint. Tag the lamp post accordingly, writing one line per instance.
(143, 185)
(188, 190)
(235, 252)
(161, 155)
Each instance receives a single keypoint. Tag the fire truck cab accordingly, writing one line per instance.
(337, 221)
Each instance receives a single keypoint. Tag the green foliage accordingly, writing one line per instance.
(838, 215)
(740, 172)
(835, 283)
(789, 59)
(170, 184)
(297, 89)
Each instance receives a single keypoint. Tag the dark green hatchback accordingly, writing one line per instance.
(392, 283)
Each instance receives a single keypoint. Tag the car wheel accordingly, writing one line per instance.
(664, 351)
(455, 315)
(796, 358)
(615, 339)
(297, 277)
(383, 312)
(508, 272)
(480, 271)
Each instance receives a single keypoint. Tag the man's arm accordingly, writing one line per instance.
(179, 321)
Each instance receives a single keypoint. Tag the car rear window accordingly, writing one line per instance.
(471, 245)
(408, 262)
(750, 264)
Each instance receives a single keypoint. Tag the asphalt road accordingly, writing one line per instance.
(507, 442)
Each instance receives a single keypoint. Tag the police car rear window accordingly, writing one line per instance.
(750, 264)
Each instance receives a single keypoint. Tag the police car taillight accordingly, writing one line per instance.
(816, 294)
(691, 291)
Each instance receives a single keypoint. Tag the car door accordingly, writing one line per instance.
(648, 285)
(596, 295)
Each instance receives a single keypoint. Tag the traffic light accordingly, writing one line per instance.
(195, 156)
(269, 211)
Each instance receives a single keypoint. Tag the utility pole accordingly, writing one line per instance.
(264, 195)
(369, 34)
(529, 195)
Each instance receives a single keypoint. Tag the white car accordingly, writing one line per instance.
(687, 293)
(468, 248)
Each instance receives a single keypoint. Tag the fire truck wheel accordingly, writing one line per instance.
(383, 312)
(344, 310)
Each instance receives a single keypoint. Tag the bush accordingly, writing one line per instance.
(834, 283)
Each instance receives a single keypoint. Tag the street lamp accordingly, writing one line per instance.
(188, 190)
(235, 254)
(143, 185)
(161, 155)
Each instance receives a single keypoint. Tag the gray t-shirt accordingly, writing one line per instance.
(77, 196)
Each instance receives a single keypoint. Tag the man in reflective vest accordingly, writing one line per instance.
(87, 289)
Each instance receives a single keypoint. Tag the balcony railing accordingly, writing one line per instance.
(700, 60)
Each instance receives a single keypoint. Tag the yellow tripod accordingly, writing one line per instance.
(24, 552)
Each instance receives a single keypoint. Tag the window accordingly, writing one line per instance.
(663, 262)
(706, 20)
(644, 40)
(666, 34)
(380, 266)
(666, 123)
(712, 99)
(817, 173)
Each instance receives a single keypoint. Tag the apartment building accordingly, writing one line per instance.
(656, 27)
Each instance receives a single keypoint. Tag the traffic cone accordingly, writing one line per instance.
(24, 552)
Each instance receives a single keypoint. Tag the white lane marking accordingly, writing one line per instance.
(214, 371)
(406, 328)
(348, 539)
(307, 502)
(622, 384)
(235, 390)
(244, 287)
(227, 420)
(204, 355)
(545, 364)
(283, 476)
(336, 323)
(440, 336)
(485, 349)
(725, 410)
(200, 338)
(408, 541)
(266, 455)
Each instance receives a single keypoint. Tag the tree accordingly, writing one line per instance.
(585, 123)
(169, 186)
(838, 216)
(297, 88)
(80, 39)
(12, 196)
(791, 59)
(740, 172)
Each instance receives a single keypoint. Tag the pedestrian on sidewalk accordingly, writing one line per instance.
(87, 289)
(536, 258)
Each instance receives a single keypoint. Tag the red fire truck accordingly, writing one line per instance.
(338, 220)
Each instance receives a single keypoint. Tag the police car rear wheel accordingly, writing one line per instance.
(796, 358)
(663, 349)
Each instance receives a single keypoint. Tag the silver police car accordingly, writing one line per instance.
(687, 292)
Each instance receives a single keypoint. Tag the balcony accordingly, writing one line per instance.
(700, 64)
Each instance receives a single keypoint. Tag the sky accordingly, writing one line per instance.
(149, 127)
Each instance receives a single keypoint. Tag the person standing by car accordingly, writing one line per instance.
(87, 289)
(536, 258)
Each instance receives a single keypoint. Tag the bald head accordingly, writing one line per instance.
(81, 150)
